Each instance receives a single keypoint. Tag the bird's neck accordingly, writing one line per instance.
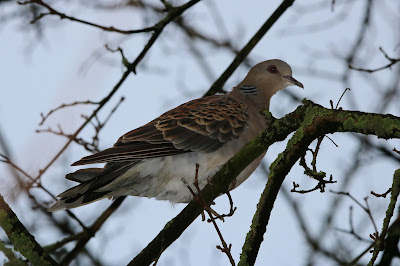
(256, 97)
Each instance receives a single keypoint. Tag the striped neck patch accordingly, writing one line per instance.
(249, 90)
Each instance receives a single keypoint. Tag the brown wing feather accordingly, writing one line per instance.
(199, 125)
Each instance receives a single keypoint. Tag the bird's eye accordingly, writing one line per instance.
(272, 69)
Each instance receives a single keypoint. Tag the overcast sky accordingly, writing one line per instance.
(38, 74)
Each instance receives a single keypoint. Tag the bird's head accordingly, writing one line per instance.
(272, 75)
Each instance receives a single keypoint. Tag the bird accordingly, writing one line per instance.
(157, 160)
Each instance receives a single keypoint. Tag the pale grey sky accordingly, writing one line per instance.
(39, 74)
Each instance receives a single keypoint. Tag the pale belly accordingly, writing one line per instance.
(167, 178)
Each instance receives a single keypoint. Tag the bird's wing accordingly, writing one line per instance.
(203, 124)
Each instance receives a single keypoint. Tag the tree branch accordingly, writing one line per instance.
(392, 61)
(52, 11)
(389, 214)
(312, 121)
(22, 240)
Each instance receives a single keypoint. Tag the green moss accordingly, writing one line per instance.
(348, 124)
(5, 221)
(21, 241)
(25, 246)
(382, 127)
(169, 223)
(267, 114)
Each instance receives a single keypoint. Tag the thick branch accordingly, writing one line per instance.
(296, 148)
(22, 240)
(316, 121)
(389, 214)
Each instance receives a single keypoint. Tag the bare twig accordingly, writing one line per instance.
(347, 89)
(383, 195)
(44, 117)
(392, 61)
(365, 208)
(334, 143)
(52, 11)
(321, 186)
(352, 231)
(313, 173)
(231, 212)
(125, 61)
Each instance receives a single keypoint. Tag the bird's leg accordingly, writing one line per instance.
(196, 197)
(204, 205)
(199, 197)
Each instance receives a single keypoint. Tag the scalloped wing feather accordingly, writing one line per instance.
(203, 124)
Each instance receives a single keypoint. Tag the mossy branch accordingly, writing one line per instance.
(22, 240)
(317, 122)
(311, 121)
(389, 214)
(11, 256)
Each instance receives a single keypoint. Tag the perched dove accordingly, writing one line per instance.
(152, 160)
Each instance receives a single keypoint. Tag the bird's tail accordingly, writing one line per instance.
(77, 196)
(93, 181)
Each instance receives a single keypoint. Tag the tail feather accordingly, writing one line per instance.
(80, 200)
(84, 175)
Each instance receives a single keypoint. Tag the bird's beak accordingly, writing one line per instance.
(294, 81)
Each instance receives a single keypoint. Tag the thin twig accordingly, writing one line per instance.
(125, 61)
(365, 208)
(44, 117)
(52, 11)
(231, 212)
(347, 89)
(392, 61)
(313, 173)
(352, 231)
(383, 195)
